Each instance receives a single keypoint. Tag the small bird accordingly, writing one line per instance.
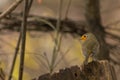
(90, 46)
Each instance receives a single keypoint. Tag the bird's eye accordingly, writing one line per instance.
(84, 36)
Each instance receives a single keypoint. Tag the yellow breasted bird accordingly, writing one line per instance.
(90, 46)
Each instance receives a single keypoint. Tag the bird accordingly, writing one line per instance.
(90, 46)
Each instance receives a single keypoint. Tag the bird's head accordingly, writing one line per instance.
(87, 36)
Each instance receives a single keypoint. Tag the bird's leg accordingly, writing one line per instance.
(86, 60)
(94, 58)
(87, 57)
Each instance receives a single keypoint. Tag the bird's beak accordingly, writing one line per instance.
(83, 38)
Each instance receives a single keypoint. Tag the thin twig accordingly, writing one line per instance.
(59, 42)
(62, 57)
(15, 56)
(40, 60)
(67, 10)
(112, 23)
(29, 5)
(56, 38)
(113, 35)
(10, 9)
(2, 75)
(59, 18)
(46, 58)
(23, 43)
(46, 22)
(59, 45)
(7, 43)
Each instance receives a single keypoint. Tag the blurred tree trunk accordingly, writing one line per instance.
(93, 18)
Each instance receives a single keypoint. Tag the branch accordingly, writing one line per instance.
(30, 5)
(113, 35)
(112, 23)
(10, 9)
(15, 56)
(43, 24)
(23, 43)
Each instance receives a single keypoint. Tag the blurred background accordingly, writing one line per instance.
(101, 17)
